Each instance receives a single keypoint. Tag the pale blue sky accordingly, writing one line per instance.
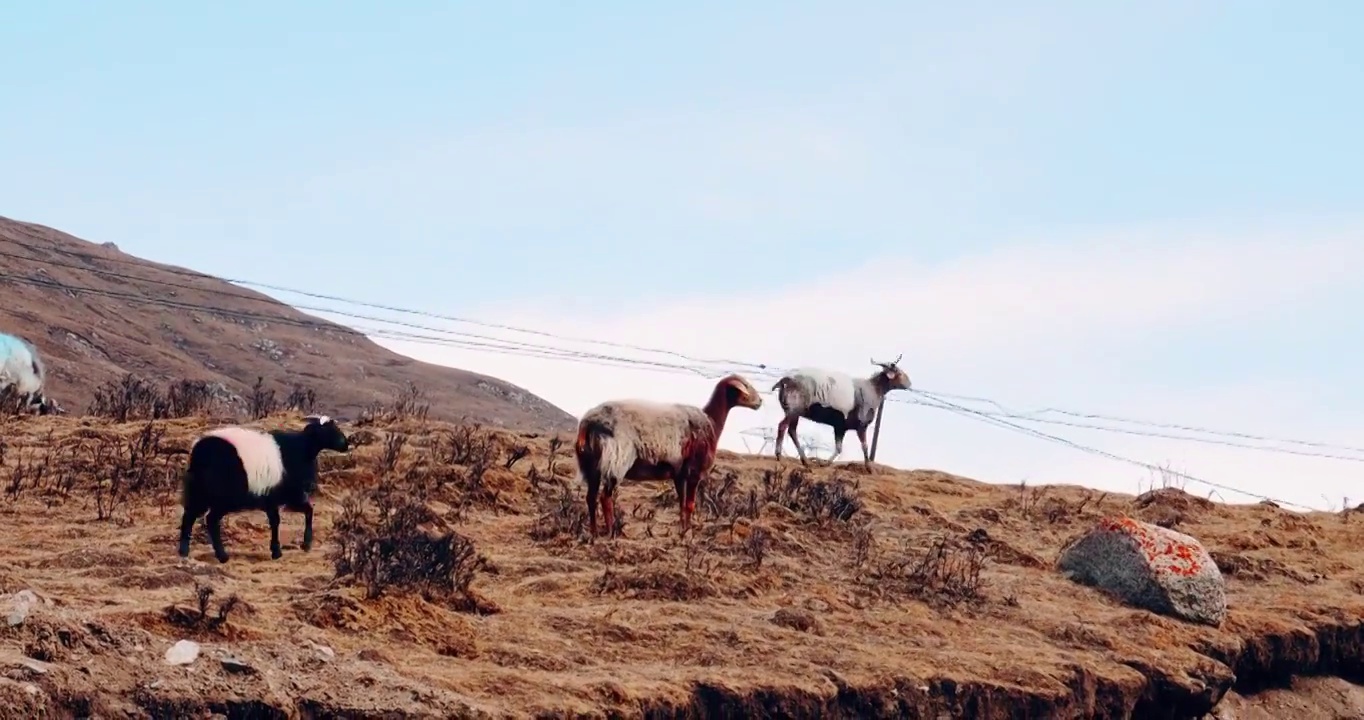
(411, 153)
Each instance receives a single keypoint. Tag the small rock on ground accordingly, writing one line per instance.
(183, 652)
(1149, 567)
(20, 604)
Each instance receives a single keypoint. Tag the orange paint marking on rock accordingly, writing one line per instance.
(1169, 555)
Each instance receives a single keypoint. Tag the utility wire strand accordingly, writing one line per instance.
(1147, 433)
(488, 344)
(261, 316)
(761, 369)
(483, 343)
(325, 325)
(1145, 423)
(359, 303)
(977, 415)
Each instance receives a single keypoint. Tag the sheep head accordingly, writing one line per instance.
(326, 433)
(740, 392)
(892, 375)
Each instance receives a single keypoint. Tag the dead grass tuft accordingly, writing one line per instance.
(389, 549)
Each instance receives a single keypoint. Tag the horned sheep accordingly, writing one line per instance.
(645, 440)
(836, 399)
(22, 372)
(234, 468)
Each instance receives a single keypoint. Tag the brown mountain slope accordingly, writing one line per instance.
(141, 317)
(898, 594)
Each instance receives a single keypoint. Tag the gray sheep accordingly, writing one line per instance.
(836, 399)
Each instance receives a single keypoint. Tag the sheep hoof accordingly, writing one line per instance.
(184, 550)
(276, 553)
(222, 557)
(307, 545)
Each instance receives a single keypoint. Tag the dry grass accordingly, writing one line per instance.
(451, 577)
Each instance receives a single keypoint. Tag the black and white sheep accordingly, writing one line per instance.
(646, 440)
(22, 372)
(233, 468)
(836, 399)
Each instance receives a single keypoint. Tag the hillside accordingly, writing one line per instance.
(836, 593)
(130, 315)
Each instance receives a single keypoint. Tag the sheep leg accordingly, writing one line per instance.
(791, 431)
(306, 507)
(839, 432)
(681, 486)
(593, 488)
(692, 484)
(608, 511)
(187, 527)
(214, 521)
(303, 504)
(781, 432)
(866, 454)
(272, 514)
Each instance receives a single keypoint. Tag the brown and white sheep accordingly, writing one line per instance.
(646, 440)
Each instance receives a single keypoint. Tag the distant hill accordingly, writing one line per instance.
(134, 318)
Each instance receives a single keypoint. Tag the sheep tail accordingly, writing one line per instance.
(588, 447)
(590, 434)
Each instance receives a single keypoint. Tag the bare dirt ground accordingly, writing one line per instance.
(97, 314)
(828, 593)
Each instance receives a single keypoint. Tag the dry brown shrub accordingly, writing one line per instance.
(392, 551)
(198, 619)
(946, 572)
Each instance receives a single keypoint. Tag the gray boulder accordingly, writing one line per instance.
(1149, 567)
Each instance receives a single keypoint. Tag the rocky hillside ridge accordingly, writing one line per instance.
(135, 316)
(828, 593)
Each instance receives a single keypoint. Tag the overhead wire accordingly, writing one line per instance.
(1146, 423)
(977, 415)
(692, 366)
(472, 341)
(731, 365)
(1148, 433)
(359, 303)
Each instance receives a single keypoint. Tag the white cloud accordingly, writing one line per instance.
(1032, 324)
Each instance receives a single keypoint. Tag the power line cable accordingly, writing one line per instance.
(1007, 412)
(1146, 423)
(736, 364)
(482, 343)
(453, 318)
(977, 415)
(1154, 434)
(512, 347)
(320, 324)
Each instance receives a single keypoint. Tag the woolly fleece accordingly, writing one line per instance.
(259, 455)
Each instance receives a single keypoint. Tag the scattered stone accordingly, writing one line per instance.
(1149, 567)
(35, 666)
(326, 653)
(234, 664)
(38, 667)
(20, 604)
(183, 652)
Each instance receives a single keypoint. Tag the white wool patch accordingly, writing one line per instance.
(321, 419)
(259, 455)
(829, 388)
